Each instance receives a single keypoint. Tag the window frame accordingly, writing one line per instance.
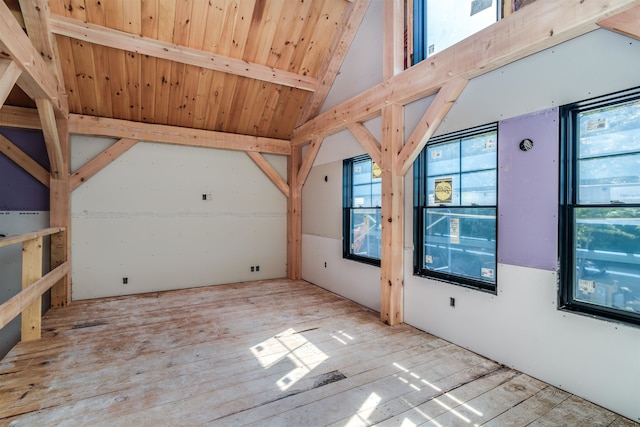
(568, 204)
(421, 204)
(347, 208)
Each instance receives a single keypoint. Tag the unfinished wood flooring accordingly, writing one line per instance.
(276, 353)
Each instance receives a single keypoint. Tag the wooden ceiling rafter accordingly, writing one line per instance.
(330, 67)
(164, 134)
(541, 25)
(9, 75)
(36, 78)
(105, 36)
(19, 117)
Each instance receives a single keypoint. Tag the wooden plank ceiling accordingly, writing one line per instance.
(276, 50)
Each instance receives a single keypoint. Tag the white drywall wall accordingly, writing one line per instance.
(143, 217)
(520, 326)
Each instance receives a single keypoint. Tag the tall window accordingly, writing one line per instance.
(455, 208)
(362, 196)
(439, 24)
(600, 206)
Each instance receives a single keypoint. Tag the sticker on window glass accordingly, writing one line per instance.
(487, 272)
(376, 172)
(454, 231)
(595, 124)
(478, 6)
(443, 189)
(428, 259)
(357, 169)
(587, 286)
(627, 194)
(490, 144)
(358, 201)
(436, 154)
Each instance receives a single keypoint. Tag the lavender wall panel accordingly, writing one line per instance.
(528, 191)
(18, 189)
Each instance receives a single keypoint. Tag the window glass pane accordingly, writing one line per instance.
(607, 257)
(479, 152)
(461, 241)
(365, 232)
(443, 159)
(447, 188)
(614, 179)
(609, 131)
(479, 188)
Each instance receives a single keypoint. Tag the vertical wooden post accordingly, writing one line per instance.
(31, 271)
(60, 216)
(392, 259)
(294, 217)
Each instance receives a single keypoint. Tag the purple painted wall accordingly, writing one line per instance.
(19, 191)
(528, 191)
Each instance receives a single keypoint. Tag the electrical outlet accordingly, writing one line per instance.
(257, 268)
(125, 280)
(253, 269)
(452, 302)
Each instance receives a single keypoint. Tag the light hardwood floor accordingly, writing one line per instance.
(273, 353)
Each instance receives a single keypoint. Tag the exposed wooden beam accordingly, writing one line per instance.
(36, 17)
(541, 25)
(36, 79)
(627, 23)
(392, 248)
(367, 140)
(436, 112)
(294, 216)
(9, 74)
(109, 37)
(31, 318)
(22, 159)
(51, 137)
(350, 21)
(99, 162)
(271, 173)
(309, 158)
(89, 125)
(393, 41)
(19, 117)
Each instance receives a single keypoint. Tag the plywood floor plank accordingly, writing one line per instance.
(252, 354)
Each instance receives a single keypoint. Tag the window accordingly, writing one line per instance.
(439, 24)
(362, 196)
(600, 207)
(455, 208)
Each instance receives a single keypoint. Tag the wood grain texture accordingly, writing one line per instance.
(298, 355)
(23, 160)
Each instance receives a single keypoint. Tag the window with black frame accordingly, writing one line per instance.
(600, 207)
(362, 194)
(455, 208)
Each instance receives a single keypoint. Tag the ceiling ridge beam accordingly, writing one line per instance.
(116, 39)
(36, 79)
(542, 24)
(115, 128)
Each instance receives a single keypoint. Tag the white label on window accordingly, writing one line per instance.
(454, 231)
(587, 286)
(357, 169)
(595, 124)
(436, 154)
(490, 144)
(358, 201)
(487, 272)
(628, 194)
(428, 259)
(432, 48)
